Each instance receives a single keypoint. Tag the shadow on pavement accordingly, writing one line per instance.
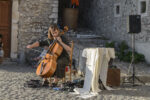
(21, 68)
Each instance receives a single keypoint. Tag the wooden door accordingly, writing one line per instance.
(5, 25)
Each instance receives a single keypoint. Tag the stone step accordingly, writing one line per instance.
(124, 94)
(8, 61)
(137, 79)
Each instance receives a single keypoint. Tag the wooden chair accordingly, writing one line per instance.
(70, 63)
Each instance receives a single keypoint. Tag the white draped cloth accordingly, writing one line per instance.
(96, 67)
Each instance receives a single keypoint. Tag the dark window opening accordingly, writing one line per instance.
(143, 7)
(117, 9)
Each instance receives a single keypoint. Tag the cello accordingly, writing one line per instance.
(48, 64)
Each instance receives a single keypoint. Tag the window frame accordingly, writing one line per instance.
(115, 8)
(139, 8)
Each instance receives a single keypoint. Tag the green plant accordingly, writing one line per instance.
(123, 46)
(111, 44)
(138, 57)
(125, 55)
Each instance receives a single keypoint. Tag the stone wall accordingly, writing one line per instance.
(35, 16)
(99, 15)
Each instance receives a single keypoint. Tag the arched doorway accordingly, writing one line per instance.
(5, 25)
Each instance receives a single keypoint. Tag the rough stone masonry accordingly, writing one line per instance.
(35, 16)
(99, 15)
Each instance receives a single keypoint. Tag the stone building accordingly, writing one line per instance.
(110, 17)
(28, 20)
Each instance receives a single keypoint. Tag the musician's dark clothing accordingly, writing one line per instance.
(63, 59)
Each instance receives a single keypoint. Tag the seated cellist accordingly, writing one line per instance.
(63, 59)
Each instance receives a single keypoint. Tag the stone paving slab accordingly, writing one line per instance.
(13, 77)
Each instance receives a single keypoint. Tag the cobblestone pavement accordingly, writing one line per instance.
(13, 77)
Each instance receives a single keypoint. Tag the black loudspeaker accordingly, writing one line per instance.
(134, 24)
